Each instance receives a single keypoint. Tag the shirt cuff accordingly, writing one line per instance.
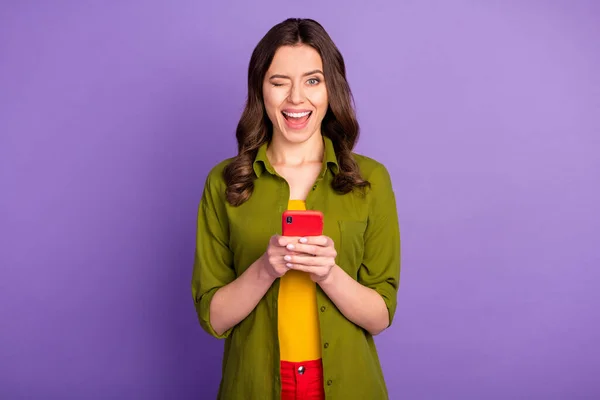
(203, 311)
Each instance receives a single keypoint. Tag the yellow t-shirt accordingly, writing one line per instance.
(299, 336)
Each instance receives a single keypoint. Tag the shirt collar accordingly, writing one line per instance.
(262, 163)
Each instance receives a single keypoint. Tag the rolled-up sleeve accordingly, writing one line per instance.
(213, 262)
(380, 269)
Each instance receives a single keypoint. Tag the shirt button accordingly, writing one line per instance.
(301, 370)
(329, 382)
(314, 187)
(323, 308)
(326, 345)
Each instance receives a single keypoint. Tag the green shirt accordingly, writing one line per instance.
(364, 228)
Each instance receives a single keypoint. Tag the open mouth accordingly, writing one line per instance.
(296, 119)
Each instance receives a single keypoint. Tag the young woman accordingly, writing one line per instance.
(298, 314)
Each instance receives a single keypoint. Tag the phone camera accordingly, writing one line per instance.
(288, 220)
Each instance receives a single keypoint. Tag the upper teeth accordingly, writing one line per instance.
(296, 115)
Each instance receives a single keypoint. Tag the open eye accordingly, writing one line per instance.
(313, 81)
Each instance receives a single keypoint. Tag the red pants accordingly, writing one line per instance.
(302, 380)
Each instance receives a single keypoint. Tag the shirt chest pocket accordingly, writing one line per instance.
(352, 246)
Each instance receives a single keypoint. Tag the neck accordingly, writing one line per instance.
(282, 152)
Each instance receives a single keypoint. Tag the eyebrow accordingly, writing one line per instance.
(315, 71)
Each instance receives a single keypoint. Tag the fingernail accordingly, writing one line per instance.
(290, 246)
(303, 240)
(287, 258)
(288, 265)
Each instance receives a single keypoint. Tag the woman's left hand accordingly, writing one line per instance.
(314, 254)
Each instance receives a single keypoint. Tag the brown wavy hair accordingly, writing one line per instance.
(255, 128)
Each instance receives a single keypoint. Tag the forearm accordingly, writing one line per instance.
(360, 304)
(235, 301)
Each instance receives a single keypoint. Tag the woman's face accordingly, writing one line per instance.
(294, 93)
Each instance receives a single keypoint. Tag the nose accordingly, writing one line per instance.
(296, 95)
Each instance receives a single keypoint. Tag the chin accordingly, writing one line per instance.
(296, 136)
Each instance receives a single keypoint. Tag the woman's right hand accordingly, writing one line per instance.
(273, 262)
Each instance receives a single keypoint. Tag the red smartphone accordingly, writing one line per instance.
(302, 223)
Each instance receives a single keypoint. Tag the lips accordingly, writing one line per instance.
(296, 119)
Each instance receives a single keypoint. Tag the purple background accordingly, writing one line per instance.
(486, 113)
